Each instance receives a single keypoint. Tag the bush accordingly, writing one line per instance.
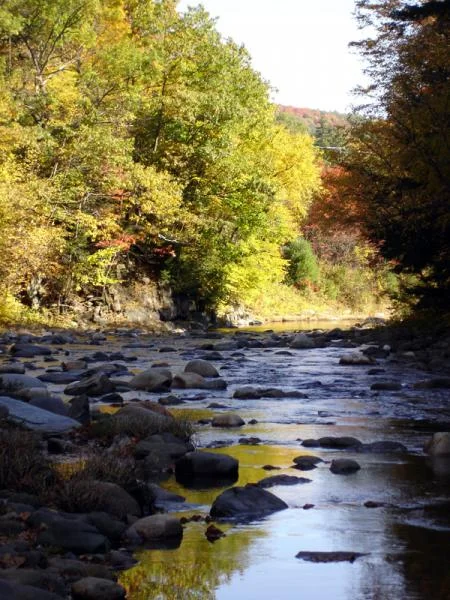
(23, 468)
(303, 269)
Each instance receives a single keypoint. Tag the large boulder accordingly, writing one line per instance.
(249, 502)
(201, 367)
(154, 527)
(156, 379)
(94, 588)
(439, 444)
(206, 465)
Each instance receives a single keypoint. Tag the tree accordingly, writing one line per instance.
(399, 156)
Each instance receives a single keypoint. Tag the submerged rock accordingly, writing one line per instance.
(326, 557)
(268, 482)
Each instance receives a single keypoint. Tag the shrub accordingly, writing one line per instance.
(303, 269)
(23, 468)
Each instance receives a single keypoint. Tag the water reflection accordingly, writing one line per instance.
(195, 570)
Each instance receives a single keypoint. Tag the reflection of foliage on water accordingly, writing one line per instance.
(192, 572)
(251, 459)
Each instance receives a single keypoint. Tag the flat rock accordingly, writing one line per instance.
(12, 382)
(268, 482)
(29, 350)
(249, 502)
(37, 419)
(327, 557)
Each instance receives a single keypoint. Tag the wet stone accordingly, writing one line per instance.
(306, 462)
(344, 466)
(327, 557)
(268, 482)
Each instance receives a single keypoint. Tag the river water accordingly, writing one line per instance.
(406, 540)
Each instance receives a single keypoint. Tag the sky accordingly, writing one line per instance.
(299, 46)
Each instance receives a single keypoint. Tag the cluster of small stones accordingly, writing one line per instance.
(48, 553)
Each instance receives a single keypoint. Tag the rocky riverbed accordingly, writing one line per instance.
(219, 465)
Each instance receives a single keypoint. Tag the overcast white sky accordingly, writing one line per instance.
(299, 46)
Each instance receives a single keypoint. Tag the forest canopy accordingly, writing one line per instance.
(134, 136)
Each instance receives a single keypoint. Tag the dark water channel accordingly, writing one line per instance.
(406, 539)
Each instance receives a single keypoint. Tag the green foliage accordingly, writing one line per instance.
(303, 269)
(131, 132)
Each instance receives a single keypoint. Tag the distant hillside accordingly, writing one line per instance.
(310, 119)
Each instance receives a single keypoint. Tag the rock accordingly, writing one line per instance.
(439, 445)
(213, 533)
(27, 394)
(4, 412)
(247, 393)
(170, 400)
(43, 579)
(339, 442)
(162, 497)
(95, 385)
(11, 382)
(199, 464)
(201, 367)
(74, 365)
(302, 342)
(189, 381)
(91, 495)
(80, 409)
(37, 419)
(327, 557)
(93, 588)
(164, 444)
(73, 535)
(306, 462)
(227, 420)
(344, 466)
(15, 591)
(73, 570)
(107, 525)
(52, 404)
(15, 368)
(249, 502)
(435, 383)
(154, 527)
(268, 482)
(63, 377)
(249, 441)
(156, 379)
(311, 443)
(388, 386)
(356, 358)
(382, 447)
(29, 350)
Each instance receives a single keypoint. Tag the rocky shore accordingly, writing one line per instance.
(87, 439)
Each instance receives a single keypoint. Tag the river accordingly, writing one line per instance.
(404, 532)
